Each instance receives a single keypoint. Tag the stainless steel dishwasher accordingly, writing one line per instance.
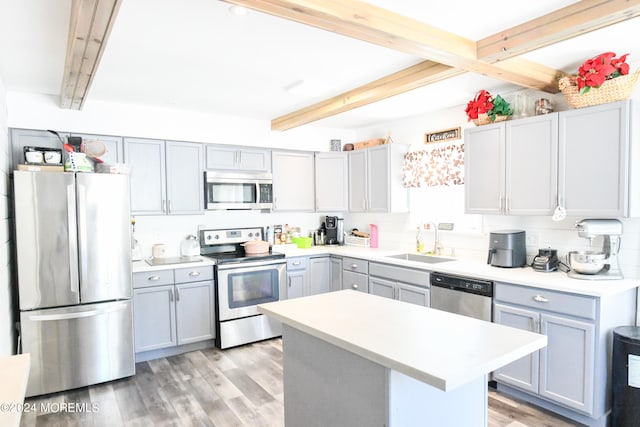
(462, 295)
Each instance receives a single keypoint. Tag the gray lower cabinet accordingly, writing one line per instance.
(572, 371)
(404, 284)
(336, 273)
(173, 307)
(166, 177)
(355, 274)
(308, 276)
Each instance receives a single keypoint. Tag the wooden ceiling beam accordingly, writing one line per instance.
(89, 28)
(571, 21)
(416, 76)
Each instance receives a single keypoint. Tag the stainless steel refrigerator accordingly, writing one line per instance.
(74, 278)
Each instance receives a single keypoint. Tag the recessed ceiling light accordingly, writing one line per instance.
(238, 10)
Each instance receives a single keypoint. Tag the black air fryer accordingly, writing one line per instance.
(507, 248)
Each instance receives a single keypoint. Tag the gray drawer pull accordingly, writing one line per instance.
(540, 298)
(153, 278)
(296, 262)
(354, 265)
(194, 273)
(354, 286)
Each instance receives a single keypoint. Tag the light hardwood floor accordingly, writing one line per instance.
(235, 387)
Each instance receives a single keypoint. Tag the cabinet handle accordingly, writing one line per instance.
(171, 295)
(169, 207)
(296, 262)
(507, 204)
(289, 281)
(364, 204)
(239, 157)
(177, 295)
(540, 298)
(354, 266)
(153, 278)
(354, 286)
(194, 274)
(164, 205)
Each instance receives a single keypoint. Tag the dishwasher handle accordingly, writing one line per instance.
(462, 284)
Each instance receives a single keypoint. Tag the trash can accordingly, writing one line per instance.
(626, 376)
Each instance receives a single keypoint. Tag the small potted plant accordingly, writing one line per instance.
(484, 108)
(601, 79)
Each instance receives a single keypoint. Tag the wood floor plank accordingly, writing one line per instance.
(240, 387)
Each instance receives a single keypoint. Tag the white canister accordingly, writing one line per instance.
(190, 246)
(159, 250)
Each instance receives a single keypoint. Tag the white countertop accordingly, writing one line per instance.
(526, 276)
(14, 371)
(441, 349)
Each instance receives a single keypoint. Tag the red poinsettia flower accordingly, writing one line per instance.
(480, 104)
(595, 71)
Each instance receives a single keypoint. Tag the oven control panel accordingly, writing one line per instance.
(230, 236)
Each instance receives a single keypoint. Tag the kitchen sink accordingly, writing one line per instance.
(421, 258)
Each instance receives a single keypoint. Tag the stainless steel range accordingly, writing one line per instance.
(242, 282)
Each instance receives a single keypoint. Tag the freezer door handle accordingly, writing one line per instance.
(76, 315)
(73, 239)
(82, 232)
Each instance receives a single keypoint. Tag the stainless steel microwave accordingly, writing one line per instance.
(232, 190)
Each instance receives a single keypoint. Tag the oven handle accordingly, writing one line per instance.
(236, 265)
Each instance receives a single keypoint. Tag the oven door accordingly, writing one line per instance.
(241, 287)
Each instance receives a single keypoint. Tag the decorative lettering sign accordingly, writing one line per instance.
(443, 135)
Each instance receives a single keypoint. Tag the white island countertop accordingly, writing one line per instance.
(438, 348)
(14, 371)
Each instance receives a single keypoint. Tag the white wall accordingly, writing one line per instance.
(470, 236)
(6, 311)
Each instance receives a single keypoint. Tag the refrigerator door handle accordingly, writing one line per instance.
(82, 232)
(73, 239)
(76, 315)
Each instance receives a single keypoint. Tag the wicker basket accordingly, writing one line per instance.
(484, 119)
(617, 89)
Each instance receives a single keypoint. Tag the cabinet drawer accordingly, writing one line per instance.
(355, 281)
(355, 265)
(296, 263)
(194, 274)
(400, 274)
(152, 278)
(542, 299)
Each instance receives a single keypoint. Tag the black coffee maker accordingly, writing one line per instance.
(331, 224)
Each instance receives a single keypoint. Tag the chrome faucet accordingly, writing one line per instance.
(436, 241)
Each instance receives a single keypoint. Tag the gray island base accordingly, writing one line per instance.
(354, 359)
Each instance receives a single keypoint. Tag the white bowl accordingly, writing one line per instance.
(33, 156)
(52, 157)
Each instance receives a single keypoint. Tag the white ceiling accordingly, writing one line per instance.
(196, 55)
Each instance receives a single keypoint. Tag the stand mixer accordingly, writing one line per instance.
(601, 265)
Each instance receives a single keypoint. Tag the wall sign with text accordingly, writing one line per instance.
(443, 135)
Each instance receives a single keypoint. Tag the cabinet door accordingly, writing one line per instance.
(293, 181)
(254, 160)
(296, 282)
(222, 157)
(484, 157)
(147, 175)
(336, 274)
(331, 181)
(185, 178)
(382, 287)
(532, 165)
(114, 145)
(413, 294)
(523, 373)
(319, 275)
(594, 146)
(378, 179)
(355, 281)
(358, 181)
(567, 363)
(154, 316)
(195, 311)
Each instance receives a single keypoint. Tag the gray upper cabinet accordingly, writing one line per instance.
(21, 138)
(594, 160)
(293, 181)
(512, 167)
(375, 179)
(332, 179)
(166, 178)
(238, 159)
(185, 178)
(113, 144)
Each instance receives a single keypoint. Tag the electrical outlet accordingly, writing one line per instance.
(533, 239)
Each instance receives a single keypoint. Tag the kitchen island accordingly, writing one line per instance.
(354, 359)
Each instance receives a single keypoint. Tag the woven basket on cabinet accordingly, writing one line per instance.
(484, 119)
(617, 89)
